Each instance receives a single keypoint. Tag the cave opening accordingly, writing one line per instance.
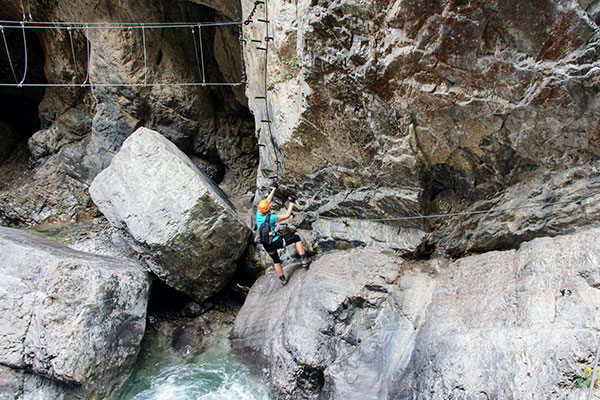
(164, 300)
(19, 105)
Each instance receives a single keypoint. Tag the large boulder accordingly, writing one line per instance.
(301, 333)
(80, 128)
(364, 324)
(70, 317)
(174, 212)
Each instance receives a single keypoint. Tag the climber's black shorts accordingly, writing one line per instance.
(280, 243)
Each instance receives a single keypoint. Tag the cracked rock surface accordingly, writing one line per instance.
(366, 324)
(393, 108)
(70, 317)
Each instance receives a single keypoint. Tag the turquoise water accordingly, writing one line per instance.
(213, 374)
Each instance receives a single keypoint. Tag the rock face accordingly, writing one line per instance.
(69, 317)
(384, 109)
(340, 234)
(153, 191)
(364, 324)
(9, 141)
(79, 129)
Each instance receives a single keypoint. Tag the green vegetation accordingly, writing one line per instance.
(583, 379)
(291, 69)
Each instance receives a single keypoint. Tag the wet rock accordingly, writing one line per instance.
(72, 317)
(364, 324)
(188, 338)
(174, 212)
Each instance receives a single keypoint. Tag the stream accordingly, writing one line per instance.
(212, 374)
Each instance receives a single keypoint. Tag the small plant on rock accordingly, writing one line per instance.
(292, 67)
(583, 378)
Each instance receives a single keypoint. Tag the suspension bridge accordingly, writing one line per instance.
(194, 29)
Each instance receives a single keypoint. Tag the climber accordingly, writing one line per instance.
(276, 241)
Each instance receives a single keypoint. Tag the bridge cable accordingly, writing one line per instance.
(29, 10)
(23, 10)
(196, 51)
(145, 61)
(88, 56)
(69, 26)
(73, 54)
(201, 52)
(25, 50)
(8, 54)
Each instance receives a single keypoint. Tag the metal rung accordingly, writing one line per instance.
(266, 120)
(261, 48)
(264, 20)
(256, 41)
(260, 97)
(267, 38)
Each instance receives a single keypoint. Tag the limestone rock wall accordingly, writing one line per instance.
(73, 321)
(82, 128)
(368, 324)
(390, 108)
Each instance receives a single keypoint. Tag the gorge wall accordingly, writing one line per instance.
(373, 113)
(80, 128)
(381, 111)
(56, 140)
(387, 109)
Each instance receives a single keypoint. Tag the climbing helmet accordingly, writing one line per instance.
(264, 206)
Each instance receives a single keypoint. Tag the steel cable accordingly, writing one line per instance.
(12, 68)
(467, 213)
(25, 50)
(73, 54)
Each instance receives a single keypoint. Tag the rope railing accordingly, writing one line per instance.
(8, 54)
(111, 25)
